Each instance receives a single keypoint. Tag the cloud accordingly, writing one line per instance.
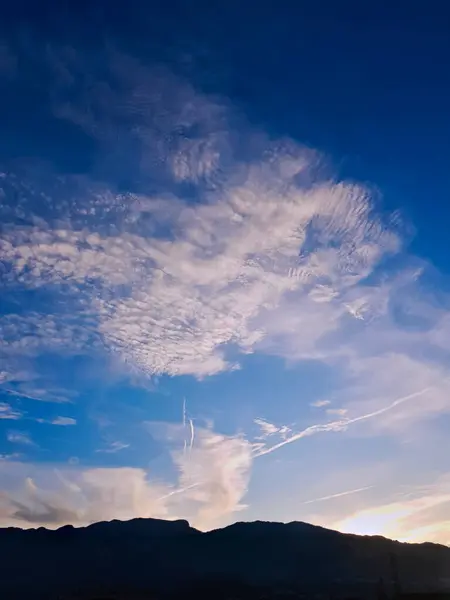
(342, 424)
(419, 516)
(338, 495)
(212, 479)
(7, 412)
(114, 447)
(28, 336)
(213, 470)
(28, 390)
(422, 387)
(268, 431)
(231, 261)
(215, 474)
(170, 285)
(320, 403)
(83, 497)
(340, 412)
(64, 421)
(19, 437)
(11, 456)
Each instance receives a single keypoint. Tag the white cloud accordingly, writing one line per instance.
(64, 421)
(269, 430)
(214, 470)
(27, 336)
(114, 447)
(82, 497)
(320, 403)
(215, 474)
(340, 412)
(27, 389)
(212, 479)
(230, 263)
(7, 412)
(266, 427)
(223, 266)
(19, 437)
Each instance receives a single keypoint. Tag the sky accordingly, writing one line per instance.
(224, 272)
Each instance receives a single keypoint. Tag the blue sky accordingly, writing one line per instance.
(224, 266)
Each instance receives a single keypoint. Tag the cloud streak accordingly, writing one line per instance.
(20, 437)
(339, 495)
(340, 425)
(114, 447)
(64, 421)
(7, 412)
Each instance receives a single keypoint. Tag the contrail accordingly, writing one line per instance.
(178, 491)
(392, 405)
(191, 444)
(184, 424)
(312, 430)
(191, 423)
(363, 489)
(338, 425)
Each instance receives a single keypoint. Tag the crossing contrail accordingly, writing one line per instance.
(184, 424)
(191, 424)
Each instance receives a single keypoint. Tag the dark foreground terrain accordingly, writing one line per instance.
(147, 558)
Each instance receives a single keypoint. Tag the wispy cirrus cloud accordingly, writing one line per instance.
(64, 421)
(336, 411)
(270, 429)
(7, 412)
(320, 403)
(12, 456)
(20, 437)
(114, 447)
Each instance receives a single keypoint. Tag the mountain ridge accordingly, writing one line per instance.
(165, 556)
(185, 522)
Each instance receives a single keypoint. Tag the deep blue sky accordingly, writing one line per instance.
(366, 82)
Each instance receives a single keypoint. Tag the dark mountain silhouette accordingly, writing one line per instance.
(169, 556)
